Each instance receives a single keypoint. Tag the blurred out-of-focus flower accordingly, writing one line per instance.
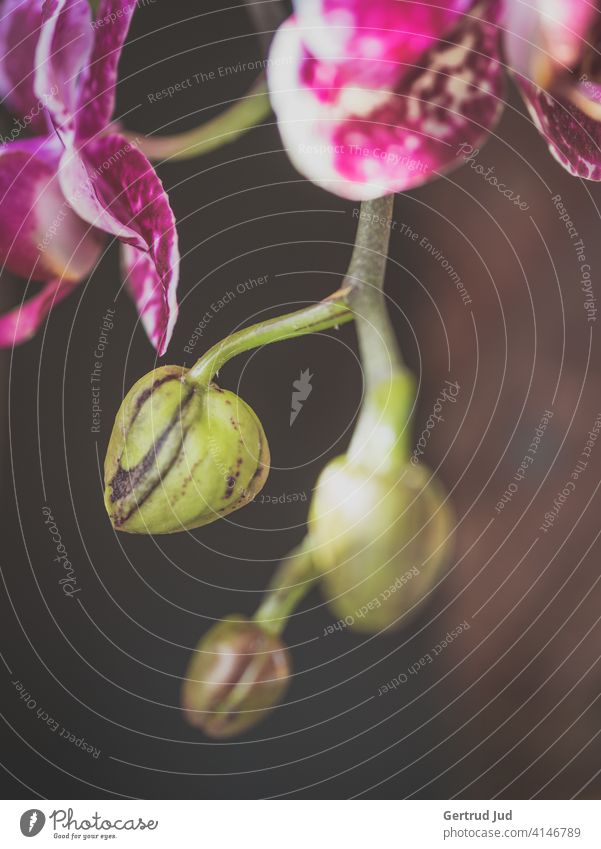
(379, 540)
(237, 675)
(379, 97)
(62, 190)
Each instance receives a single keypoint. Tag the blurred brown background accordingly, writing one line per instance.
(511, 707)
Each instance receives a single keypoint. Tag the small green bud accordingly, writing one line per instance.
(379, 541)
(181, 455)
(236, 676)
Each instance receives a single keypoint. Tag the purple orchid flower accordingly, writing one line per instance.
(373, 98)
(63, 190)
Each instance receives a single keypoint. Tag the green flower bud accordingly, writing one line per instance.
(181, 455)
(237, 675)
(379, 541)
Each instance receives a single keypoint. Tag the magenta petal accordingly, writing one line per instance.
(63, 51)
(20, 22)
(372, 34)
(574, 138)
(41, 237)
(122, 194)
(97, 98)
(21, 323)
(363, 142)
(156, 301)
(89, 178)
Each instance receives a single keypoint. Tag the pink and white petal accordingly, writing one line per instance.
(547, 38)
(21, 323)
(41, 237)
(20, 22)
(122, 194)
(97, 96)
(86, 183)
(156, 304)
(373, 34)
(573, 138)
(362, 143)
(63, 51)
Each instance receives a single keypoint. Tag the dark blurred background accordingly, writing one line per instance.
(511, 707)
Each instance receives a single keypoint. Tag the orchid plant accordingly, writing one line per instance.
(371, 98)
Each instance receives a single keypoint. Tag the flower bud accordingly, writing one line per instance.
(181, 455)
(379, 541)
(237, 675)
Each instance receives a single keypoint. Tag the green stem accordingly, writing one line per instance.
(380, 353)
(381, 435)
(292, 581)
(225, 128)
(266, 17)
(327, 313)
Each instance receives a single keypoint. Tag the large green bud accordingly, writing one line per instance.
(380, 528)
(237, 675)
(181, 455)
(379, 541)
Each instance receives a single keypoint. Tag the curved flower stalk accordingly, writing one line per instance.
(225, 128)
(379, 96)
(379, 530)
(82, 178)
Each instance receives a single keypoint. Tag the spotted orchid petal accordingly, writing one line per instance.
(573, 137)
(62, 55)
(20, 22)
(89, 177)
(97, 96)
(112, 185)
(375, 36)
(41, 237)
(22, 322)
(361, 142)
(156, 303)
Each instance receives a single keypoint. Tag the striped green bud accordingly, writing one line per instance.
(237, 675)
(181, 455)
